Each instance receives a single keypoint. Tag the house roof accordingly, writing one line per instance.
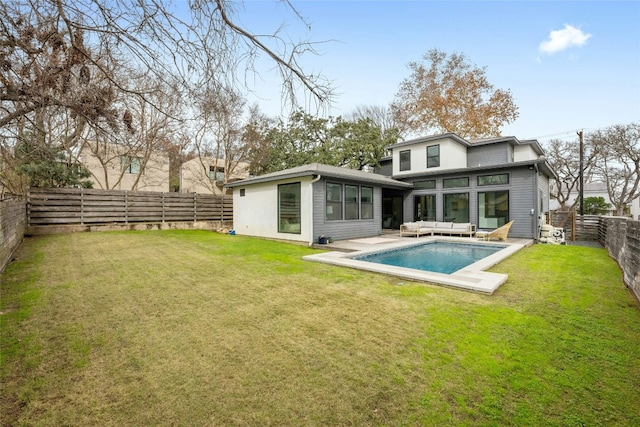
(318, 169)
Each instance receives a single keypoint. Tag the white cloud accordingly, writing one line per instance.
(563, 39)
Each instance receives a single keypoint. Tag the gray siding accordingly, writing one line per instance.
(489, 155)
(523, 198)
(343, 229)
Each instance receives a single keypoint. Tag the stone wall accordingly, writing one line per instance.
(621, 238)
(13, 222)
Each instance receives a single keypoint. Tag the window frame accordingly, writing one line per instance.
(367, 205)
(480, 196)
(490, 176)
(349, 205)
(449, 182)
(333, 203)
(405, 165)
(433, 157)
(445, 210)
(129, 163)
(297, 215)
(430, 186)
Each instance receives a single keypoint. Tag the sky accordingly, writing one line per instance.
(570, 65)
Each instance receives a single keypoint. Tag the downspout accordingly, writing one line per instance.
(538, 216)
(313, 181)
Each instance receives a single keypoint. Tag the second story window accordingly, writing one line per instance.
(433, 156)
(405, 160)
(216, 173)
(130, 164)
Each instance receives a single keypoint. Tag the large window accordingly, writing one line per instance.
(356, 204)
(366, 202)
(493, 209)
(289, 208)
(433, 156)
(425, 208)
(456, 207)
(334, 201)
(130, 164)
(351, 205)
(405, 160)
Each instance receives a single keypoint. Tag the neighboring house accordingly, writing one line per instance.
(208, 175)
(118, 167)
(442, 178)
(598, 189)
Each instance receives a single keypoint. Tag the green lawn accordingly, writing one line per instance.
(193, 328)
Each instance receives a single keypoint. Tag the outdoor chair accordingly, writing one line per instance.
(499, 233)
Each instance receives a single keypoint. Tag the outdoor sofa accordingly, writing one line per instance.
(431, 228)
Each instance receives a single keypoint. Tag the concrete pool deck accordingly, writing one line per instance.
(471, 278)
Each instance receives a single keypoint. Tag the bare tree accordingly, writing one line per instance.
(564, 159)
(217, 141)
(66, 57)
(618, 162)
(448, 94)
(380, 115)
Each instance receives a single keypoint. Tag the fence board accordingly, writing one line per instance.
(58, 206)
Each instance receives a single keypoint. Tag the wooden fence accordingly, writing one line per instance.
(577, 227)
(76, 206)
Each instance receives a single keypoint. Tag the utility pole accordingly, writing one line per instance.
(580, 134)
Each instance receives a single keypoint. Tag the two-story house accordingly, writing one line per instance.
(121, 167)
(486, 182)
(208, 175)
(441, 177)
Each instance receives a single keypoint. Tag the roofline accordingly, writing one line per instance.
(429, 138)
(314, 171)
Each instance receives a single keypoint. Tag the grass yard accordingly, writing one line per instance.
(193, 328)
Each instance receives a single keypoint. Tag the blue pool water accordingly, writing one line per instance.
(441, 257)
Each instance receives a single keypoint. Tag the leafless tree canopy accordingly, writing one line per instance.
(617, 150)
(75, 65)
(564, 159)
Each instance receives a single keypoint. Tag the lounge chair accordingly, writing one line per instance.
(499, 233)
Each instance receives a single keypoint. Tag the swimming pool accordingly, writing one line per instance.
(437, 256)
(472, 277)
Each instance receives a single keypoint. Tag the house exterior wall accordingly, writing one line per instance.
(345, 229)
(524, 152)
(153, 177)
(524, 186)
(256, 213)
(453, 155)
(194, 176)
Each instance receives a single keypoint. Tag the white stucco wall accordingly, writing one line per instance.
(523, 153)
(256, 213)
(453, 155)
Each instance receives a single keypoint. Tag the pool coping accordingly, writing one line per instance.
(471, 278)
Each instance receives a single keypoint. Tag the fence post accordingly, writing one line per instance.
(195, 207)
(163, 206)
(126, 206)
(82, 205)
